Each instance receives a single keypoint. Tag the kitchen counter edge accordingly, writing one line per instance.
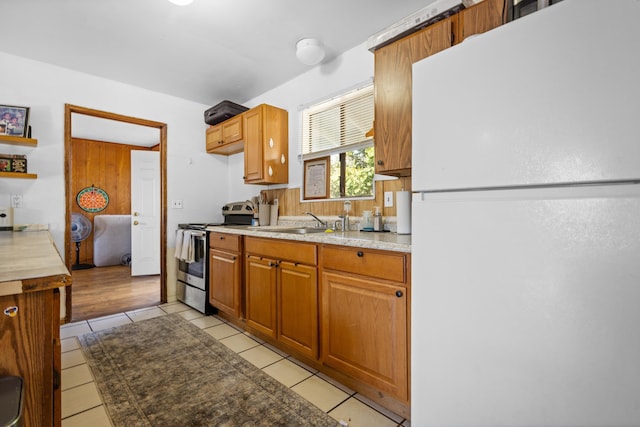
(361, 239)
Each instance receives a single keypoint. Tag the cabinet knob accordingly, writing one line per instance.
(380, 162)
(360, 254)
(221, 237)
(399, 294)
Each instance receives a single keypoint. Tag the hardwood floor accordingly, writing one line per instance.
(101, 291)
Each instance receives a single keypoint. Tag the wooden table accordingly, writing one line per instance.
(31, 273)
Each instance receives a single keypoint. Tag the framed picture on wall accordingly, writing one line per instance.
(5, 163)
(14, 121)
(316, 178)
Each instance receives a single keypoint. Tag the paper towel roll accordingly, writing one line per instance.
(403, 212)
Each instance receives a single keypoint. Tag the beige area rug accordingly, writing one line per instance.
(165, 371)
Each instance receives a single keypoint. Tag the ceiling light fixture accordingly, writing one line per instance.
(181, 2)
(309, 51)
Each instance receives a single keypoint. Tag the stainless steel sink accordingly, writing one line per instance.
(296, 230)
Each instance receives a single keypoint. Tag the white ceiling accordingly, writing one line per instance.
(206, 52)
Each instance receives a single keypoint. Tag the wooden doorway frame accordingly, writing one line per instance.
(70, 198)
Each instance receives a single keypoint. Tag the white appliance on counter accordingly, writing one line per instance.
(526, 223)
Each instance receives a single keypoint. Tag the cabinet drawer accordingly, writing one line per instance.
(305, 253)
(230, 242)
(366, 262)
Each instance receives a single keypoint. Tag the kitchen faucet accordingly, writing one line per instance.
(321, 222)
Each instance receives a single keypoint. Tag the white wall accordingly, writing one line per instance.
(203, 181)
(194, 176)
(344, 72)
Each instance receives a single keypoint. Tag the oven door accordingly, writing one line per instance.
(193, 273)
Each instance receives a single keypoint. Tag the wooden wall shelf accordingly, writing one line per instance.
(17, 140)
(18, 175)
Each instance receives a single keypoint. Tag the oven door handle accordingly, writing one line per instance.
(197, 233)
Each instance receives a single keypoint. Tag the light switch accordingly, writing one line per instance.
(16, 200)
(388, 199)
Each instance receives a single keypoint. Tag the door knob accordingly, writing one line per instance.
(135, 214)
(135, 223)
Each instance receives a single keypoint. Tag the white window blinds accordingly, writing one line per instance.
(339, 124)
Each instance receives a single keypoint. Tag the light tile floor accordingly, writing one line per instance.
(82, 405)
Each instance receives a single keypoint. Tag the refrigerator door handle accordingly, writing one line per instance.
(530, 186)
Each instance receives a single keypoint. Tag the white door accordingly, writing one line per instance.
(145, 213)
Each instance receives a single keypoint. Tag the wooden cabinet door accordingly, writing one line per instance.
(29, 348)
(480, 18)
(298, 307)
(224, 281)
(213, 138)
(266, 145)
(393, 92)
(226, 137)
(364, 331)
(260, 281)
(232, 130)
(253, 145)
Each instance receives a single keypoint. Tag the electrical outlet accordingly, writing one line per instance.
(16, 200)
(388, 199)
(176, 204)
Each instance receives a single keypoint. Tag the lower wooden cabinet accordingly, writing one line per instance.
(344, 310)
(281, 281)
(365, 318)
(30, 349)
(260, 285)
(225, 273)
(297, 307)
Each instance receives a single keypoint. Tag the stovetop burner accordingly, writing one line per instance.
(198, 225)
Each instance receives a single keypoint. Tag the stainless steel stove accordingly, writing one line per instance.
(192, 286)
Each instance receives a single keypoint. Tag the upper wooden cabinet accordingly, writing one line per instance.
(263, 134)
(392, 88)
(479, 18)
(393, 79)
(225, 137)
(266, 145)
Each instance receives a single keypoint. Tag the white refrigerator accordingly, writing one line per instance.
(526, 223)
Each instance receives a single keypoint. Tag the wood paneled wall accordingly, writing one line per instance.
(107, 166)
(290, 205)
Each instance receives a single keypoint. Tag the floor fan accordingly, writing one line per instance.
(80, 230)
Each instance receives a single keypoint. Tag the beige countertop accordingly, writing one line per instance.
(29, 261)
(387, 241)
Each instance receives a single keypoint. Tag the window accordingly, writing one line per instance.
(338, 128)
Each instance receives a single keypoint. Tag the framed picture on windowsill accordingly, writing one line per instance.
(14, 121)
(316, 178)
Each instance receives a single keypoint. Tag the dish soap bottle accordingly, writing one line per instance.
(347, 208)
(377, 219)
